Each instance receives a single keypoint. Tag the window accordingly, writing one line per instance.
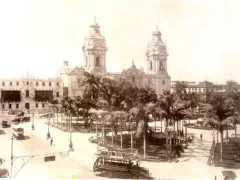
(27, 83)
(57, 94)
(27, 93)
(150, 65)
(57, 83)
(10, 83)
(97, 62)
(50, 83)
(17, 106)
(42, 104)
(160, 65)
(10, 106)
(3, 106)
(36, 105)
(163, 82)
(43, 83)
(3, 83)
(36, 83)
(17, 83)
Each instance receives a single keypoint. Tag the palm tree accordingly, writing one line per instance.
(231, 87)
(166, 103)
(92, 84)
(222, 110)
(180, 88)
(119, 115)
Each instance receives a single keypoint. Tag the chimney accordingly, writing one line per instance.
(65, 63)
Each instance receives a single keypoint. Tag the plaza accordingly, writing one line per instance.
(119, 89)
(192, 164)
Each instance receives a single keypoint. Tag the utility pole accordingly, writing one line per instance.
(70, 143)
(48, 134)
(33, 128)
(11, 156)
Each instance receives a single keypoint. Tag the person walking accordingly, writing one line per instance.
(201, 137)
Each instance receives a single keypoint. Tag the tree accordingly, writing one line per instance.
(166, 103)
(180, 88)
(144, 97)
(91, 84)
(231, 87)
(221, 109)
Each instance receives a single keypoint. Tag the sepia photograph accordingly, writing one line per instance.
(120, 89)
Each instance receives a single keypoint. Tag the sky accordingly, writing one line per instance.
(202, 36)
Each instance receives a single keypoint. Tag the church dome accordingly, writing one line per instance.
(133, 71)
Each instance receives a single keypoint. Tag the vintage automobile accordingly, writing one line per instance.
(6, 124)
(120, 165)
(4, 173)
(229, 175)
(18, 132)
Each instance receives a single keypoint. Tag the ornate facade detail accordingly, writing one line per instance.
(95, 49)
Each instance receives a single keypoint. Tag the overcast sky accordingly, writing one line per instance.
(202, 36)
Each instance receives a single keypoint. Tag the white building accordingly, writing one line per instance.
(28, 92)
(94, 50)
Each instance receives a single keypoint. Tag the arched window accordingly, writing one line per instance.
(27, 93)
(163, 82)
(160, 65)
(97, 62)
(150, 65)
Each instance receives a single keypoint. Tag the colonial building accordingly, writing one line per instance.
(28, 92)
(95, 49)
(200, 88)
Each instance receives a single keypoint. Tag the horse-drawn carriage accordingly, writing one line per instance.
(118, 164)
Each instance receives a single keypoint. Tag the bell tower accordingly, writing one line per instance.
(94, 50)
(156, 54)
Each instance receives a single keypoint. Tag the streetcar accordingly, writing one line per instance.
(18, 132)
(118, 164)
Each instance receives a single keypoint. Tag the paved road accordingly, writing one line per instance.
(79, 163)
(35, 144)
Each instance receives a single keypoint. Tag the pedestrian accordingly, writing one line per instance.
(201, 137)
(51, 141)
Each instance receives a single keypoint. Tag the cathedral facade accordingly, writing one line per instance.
(95, 49)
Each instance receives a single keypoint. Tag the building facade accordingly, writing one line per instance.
(95, 49)
(29, 93)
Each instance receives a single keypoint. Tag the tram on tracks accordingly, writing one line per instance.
(120, 165)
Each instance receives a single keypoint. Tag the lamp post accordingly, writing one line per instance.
(70, 143)
(48, 133)
(33, 128)
(11, 156)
